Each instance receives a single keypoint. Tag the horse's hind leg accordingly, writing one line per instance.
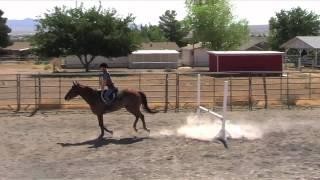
(143, 122)
(136, 112)
(135, 124)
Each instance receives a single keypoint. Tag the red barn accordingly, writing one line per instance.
(245, 61)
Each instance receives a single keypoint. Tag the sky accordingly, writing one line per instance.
(148, 11)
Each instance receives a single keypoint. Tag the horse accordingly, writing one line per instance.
(129, 99)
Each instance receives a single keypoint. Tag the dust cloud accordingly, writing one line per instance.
(205, 128)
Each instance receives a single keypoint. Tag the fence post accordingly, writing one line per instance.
(230, 88)
(166, 94)
(288, 99)
(281, 98)
(265, 91)
(177, 92)
(139, 81)
(214, 92)
(59, 90)
(18, 83)
(39, 90)
(310, 84)
(36, 105)
(250, 92)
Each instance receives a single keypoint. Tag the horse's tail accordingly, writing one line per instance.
(145, 103)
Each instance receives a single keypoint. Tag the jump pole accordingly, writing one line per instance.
(222, 135)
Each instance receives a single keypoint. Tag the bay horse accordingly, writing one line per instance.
(129, 99)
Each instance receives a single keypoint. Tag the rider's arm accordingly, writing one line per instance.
(102, 83)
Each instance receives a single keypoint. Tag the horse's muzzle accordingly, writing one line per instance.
(67, 98)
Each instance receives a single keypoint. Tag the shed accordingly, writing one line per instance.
(245, 61)
(301, 43)
(154, 59)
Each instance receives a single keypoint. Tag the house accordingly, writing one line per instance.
(255, 43)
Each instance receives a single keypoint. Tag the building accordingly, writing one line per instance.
(17, 50)
(74, 62)
(307, 48)
(255, 43)
(159, 46)
(245, 61)
(119, 62)
(154, 59)
(194, 55)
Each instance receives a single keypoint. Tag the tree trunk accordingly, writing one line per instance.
(84, 61)
(86, 67)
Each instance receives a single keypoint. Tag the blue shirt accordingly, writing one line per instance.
(107, 78)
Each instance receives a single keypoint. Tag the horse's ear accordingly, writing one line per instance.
(77, 83)
(74, 83)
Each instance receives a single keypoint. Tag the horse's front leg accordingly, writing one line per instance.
(102, 127)
(100, 119)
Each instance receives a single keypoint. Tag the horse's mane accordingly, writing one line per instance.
(88, 88)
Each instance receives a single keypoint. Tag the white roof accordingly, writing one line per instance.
(303, 42)
(246, 52)
(155, 52)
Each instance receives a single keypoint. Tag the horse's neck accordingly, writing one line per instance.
(89, 95)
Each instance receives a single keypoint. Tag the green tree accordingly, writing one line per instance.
(213, 24)
(86, 33)
(152, 33)
(289, 24)
(172, 28)
(4, 32)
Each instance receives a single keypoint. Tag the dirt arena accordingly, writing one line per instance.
(62, 145)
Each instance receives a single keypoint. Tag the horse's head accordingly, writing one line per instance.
(73, 92)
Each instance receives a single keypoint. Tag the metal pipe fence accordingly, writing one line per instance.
(167, 91)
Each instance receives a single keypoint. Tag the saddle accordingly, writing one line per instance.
(109, 96)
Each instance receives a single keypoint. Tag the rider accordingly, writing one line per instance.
(105, 80)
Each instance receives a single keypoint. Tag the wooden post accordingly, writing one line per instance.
(310, 83)
(250, 93)
(39, 90)
(140, 81)
(316, 58)
(60, 91)
(18, 82)
(36, 105)
(177, 92)
(265, 92)
(299, 59)
(166, 93)
(281, 98)
(214, 92)
(288, 98)
(230, 87)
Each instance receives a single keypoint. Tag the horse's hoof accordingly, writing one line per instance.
(135, 130)
(148, 130)
(111, 132)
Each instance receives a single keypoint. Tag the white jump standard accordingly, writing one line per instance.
(223, 135)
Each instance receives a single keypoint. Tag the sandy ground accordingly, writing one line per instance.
(62, 145)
